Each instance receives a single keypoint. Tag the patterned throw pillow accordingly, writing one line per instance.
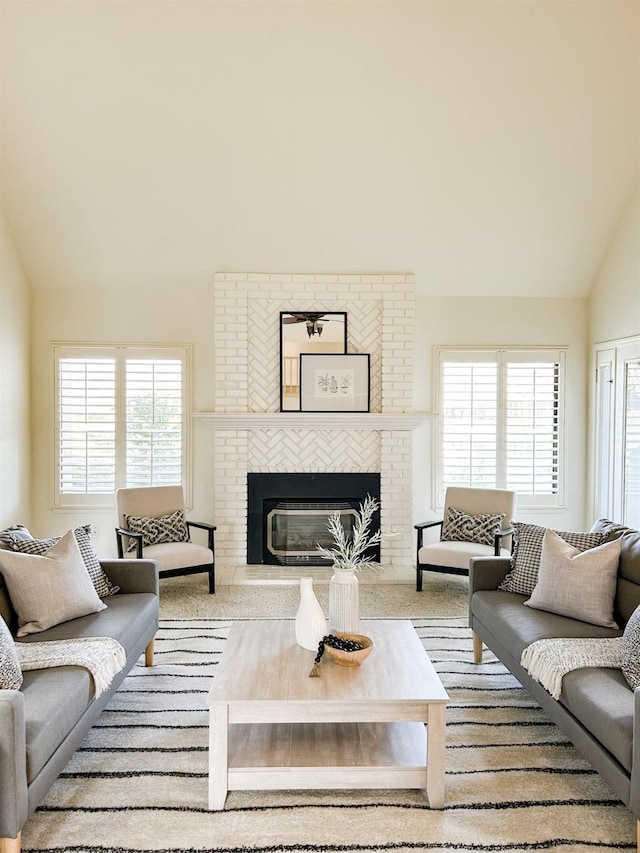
(10, 672)
(631, 650)
(460, 527)
(525, 561)
(100, 581)
(155, 531)
(7, 535)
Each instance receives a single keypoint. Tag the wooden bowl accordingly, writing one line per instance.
(351, 658)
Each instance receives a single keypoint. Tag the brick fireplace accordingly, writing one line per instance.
(252, 435)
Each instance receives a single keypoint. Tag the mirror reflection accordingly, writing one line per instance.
(306, 332)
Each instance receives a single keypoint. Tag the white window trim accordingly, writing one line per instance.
(463, 353)
(65, 349)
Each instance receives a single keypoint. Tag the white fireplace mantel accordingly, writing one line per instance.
(314, 420)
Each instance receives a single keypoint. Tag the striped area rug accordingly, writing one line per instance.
(139, 781)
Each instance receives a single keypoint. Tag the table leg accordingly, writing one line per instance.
(436, 733)
(218, 755)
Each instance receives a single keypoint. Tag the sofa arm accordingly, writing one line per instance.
(133, 575)
(14, 805)
(487, 572)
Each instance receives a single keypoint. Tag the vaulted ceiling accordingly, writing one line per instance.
(487, 145)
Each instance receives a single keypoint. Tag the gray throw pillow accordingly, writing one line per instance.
(10, 672)
(100, 581)
(578, 584)
(155, 531)
(527, 550)
(631, 650)
(458, 526)
(49, 589)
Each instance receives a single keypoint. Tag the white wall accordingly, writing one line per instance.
(454, 321)
(15, 481)
(614, 308)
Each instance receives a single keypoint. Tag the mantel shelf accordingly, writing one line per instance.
(314, 420)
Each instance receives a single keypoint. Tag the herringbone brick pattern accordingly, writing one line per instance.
(314, 450)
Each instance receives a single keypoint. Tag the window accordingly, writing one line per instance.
(120, 420)
(500, 422)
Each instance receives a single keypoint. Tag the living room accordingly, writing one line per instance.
(488, 151)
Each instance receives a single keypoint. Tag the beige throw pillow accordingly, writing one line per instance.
(579, 584)
(48, 589)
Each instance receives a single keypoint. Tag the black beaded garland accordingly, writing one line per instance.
(344, 644)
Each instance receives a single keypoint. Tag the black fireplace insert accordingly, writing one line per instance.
(288, 514)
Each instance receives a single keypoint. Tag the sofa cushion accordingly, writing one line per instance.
(164, 528)
(54, 701)
(10, 672)
(600, 698)
(575, 583)
(458, 526)
(49, 589)
(516, 627)
(527, 550)
(29, 545)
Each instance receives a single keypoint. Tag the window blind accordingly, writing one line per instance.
(500, 421)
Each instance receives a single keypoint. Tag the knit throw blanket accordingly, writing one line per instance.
(548, 661)
(104, 657)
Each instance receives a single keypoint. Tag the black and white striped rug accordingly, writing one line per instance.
(139, 781)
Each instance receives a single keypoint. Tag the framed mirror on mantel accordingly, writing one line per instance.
(306, 332)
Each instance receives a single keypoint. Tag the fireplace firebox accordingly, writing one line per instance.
(288, 514)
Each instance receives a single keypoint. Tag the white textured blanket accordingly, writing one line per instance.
(548, 661)
(104, 657)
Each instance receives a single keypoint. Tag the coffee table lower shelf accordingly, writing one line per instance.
(313, 756)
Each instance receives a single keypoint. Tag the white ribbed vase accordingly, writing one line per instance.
(344, 603)
(311, 626)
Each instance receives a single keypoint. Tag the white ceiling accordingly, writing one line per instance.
(489, 146)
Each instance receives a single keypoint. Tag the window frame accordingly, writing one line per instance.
(502, 356)
(120, 352)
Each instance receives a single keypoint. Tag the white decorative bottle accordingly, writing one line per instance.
(311, 626)
(344, 603)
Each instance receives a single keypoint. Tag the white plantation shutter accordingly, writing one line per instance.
(154, 422)
(121, 415)
(501, 422)
(87, 425)
(469, 422)
(532, 427)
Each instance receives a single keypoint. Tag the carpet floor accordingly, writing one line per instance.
(139, 781)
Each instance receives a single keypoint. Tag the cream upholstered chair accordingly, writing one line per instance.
(154, 516)
(452, 555)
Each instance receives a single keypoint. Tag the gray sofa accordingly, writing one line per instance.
(597, 709)
(43, 723)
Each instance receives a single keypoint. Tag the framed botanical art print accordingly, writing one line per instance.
(334, 383)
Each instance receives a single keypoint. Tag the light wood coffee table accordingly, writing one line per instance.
(273, 727)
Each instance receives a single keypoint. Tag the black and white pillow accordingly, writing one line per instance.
(631, 650)
(101, 582)
(155, 531)
(527, 550)
(9, 533)
(10, 672)
(460, 527)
